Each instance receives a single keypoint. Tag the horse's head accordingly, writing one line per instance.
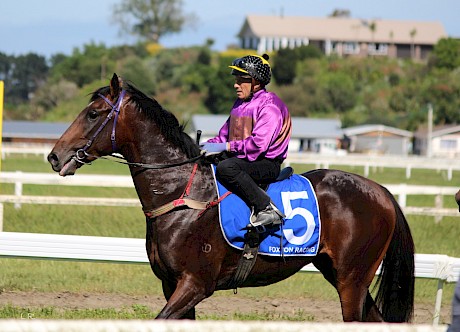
(92, 133)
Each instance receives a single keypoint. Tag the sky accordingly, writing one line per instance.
(49, 27)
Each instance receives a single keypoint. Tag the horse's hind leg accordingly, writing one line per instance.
(356, 302)
(371, 312)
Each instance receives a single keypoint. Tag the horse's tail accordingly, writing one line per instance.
(395, 296)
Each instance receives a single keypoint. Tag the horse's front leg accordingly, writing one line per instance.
(182, 299)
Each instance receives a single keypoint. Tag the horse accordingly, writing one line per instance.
(363, 226)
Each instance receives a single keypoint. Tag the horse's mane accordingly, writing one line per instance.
(166, 121)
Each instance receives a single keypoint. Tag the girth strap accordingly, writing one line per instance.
(184, 201)
(191, 203)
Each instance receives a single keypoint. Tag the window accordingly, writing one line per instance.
(448, 144)
(350, 48)
(378, 48)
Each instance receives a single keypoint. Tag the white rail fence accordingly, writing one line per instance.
(85, 248)
(45, 325)
(376, 162)
(319, 160)
(443, 268)
(19, 179)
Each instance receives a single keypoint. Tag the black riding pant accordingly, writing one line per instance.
(242, 177)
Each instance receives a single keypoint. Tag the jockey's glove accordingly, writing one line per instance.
(215, 148)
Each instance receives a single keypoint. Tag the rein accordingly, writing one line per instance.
(81, 154)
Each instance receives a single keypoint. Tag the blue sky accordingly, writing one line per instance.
(48, 27)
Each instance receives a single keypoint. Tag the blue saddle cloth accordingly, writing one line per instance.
(300, 231)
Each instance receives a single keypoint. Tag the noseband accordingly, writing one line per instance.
(81, 154)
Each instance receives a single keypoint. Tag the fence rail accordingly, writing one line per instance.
(21, 178)
(319, 160)
(443, 268)
(369, 162)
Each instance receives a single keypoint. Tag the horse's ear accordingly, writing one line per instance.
(115, 86)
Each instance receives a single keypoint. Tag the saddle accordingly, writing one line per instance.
(252, 242)
(285, 173)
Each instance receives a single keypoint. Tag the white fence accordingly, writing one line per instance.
(20, 178)
(375, 162)
(440, 267)
(319, 160)
(33, 325)
(128, 250)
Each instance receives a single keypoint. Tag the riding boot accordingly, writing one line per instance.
(268, 216)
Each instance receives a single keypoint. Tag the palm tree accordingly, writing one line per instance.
(412, 33)
(373, 28)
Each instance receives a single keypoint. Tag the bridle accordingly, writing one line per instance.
(82, 154)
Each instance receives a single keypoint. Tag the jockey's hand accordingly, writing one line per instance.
(214, 148)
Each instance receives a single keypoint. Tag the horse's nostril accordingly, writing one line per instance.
(53, 159)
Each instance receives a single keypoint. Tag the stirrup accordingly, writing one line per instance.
(281, 216)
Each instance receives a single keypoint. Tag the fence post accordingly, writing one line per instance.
(449, 173)
(402, 197)
(437, 305)
(18, 191)
(366, 170)
(438, 204)
(408, 171)
(1, 217)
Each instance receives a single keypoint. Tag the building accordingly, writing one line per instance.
(445, 142)
(342, 36)
(378, 139)
(32, 133)
(315, 135)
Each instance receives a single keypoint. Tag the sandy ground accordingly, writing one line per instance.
(320, 310)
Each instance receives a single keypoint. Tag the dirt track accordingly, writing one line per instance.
(320, 310)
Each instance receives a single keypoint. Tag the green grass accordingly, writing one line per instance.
(133, 312)
(55, 276)
(136, 312)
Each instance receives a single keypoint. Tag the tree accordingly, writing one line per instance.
(151, 19)
(373, 28)
(28, 73)
(83, 66)
(221, 93)
(340, 13)
(285, 60)
(412, 34)
(446, 54)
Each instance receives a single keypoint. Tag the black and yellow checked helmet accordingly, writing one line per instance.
(255, 66)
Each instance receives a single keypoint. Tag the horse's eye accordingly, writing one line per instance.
(93, 114)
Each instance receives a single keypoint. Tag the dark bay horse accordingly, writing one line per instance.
(362, 224)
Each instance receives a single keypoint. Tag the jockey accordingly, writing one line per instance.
(255, 136)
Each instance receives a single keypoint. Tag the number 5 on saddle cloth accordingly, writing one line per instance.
(300, 231)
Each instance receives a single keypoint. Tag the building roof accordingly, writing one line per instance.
(29, 129)
(208, 124)
(438, 131)
(316, 128)
(301, 127)
(448, 130)
(343, 29)
(364, 129)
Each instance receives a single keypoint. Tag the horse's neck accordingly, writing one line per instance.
(156, 187)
